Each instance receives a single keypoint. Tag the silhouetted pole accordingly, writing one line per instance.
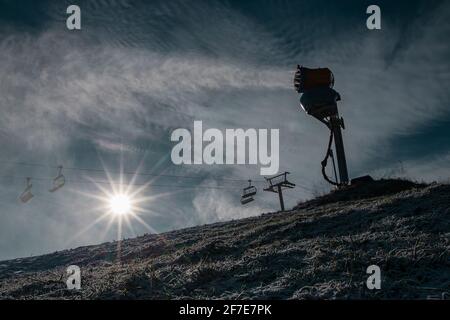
(280, 195)
(336, 125)
(276, 185)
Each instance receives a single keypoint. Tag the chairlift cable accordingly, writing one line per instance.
(137, 173)
(125, 172)
(132, 173)
(118, 183)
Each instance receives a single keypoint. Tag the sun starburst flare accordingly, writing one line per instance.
(121, 203)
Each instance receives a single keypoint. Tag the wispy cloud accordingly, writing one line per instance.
(133, 74)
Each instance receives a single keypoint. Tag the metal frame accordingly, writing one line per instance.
(326, 111)
(248, 193)
(336, 124)
(59, 181)
(27, 194)
(276, 185)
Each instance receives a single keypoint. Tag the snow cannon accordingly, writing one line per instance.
(319, 99)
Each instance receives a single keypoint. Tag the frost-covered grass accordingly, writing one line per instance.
(319, 250)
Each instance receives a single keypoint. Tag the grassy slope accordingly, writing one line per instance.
(321, 249)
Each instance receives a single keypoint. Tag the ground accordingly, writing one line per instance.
(319, 250)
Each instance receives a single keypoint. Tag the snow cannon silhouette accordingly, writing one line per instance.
(319, 99)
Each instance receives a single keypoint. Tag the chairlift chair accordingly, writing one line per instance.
(58, 181)
(26, 194)
(247, 200)
(248, 193)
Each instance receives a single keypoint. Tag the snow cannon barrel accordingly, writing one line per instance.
(306, 79)
(318, 97)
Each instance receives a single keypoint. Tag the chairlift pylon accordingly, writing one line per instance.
(59, 181)
(277, 184)
(26, 194)
(248, 193)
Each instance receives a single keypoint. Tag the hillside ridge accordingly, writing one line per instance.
(318, 250)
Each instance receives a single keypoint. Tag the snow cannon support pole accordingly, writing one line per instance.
(336, 125)
(280, 195)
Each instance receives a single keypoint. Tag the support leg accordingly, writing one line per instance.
(340, 153)
(280, 195)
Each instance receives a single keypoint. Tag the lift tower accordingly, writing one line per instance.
(277, 184)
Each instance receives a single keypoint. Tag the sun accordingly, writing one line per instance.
(120, 204)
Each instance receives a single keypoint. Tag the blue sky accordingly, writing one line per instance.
(139, 69)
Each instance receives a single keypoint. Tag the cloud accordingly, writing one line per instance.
(136, 73)
(426, 169)
(215, 205)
